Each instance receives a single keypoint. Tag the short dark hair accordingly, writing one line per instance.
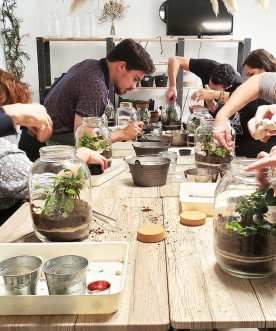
(223, 74)
(261, 59)
(135, 56)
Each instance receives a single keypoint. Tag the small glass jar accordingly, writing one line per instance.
(245, 222)
(208, 151)
(95, 135)
(143, 115)
(171, 117)
(125, 115)
(109, 111)
(194, 121)
(60, 195)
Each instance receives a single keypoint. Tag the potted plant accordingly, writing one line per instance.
(63, 215)
(245, 238)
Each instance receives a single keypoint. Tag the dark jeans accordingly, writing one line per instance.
(7, 213)
(30, 145)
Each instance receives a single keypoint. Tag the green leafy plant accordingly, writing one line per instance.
(210, 147)
(94, 143)
(61, 196)
(109, 111)
(170, 116)
(254, 209)
(13, 53)
(195, 124)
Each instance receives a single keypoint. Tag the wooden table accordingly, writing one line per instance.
(176, 282)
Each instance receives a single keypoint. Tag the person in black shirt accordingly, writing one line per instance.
(219, 81)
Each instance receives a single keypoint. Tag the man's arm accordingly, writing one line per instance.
(175, 63)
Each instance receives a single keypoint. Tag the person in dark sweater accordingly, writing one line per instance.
(219, 81)
(83, 90)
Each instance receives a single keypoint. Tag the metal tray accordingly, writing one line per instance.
(107, 261)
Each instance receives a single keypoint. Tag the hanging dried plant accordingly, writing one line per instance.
(113, 11)
(215, 6)
(263, 3)
(231, 6)
(77, 3)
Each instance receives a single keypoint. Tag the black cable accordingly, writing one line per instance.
(160, 44)
(199, 49)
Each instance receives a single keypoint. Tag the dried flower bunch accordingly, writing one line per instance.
(231, 5)
(113, 11)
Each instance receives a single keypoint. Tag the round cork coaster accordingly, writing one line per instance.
(151, 233)
(193, 218)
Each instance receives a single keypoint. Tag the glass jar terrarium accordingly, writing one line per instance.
(60, 195)
(194, 121)
(171, 117)
(208, 151)
(245, 222)
(143, 115)
(125, 115)
(95, 135)
(110, 113)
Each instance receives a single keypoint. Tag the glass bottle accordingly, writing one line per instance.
(109, 111)
(193, 123)
(125, 115)
(95, 135)
(60, 195)
(208, 151)
(171, 116)
(245, 222)
(143, 115)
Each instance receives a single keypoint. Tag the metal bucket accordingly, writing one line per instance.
(149, 170)
(66, 274)
(201, 175)
(149, 147)
(159, 138)
(19, 275)
(179, 138)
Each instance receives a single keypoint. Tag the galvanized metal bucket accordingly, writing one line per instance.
(19, 275)
(149, 147)
(66, 274)
(149, 170)
(179, 137)
(159, 138)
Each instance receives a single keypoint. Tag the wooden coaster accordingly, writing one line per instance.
(193, 218)
(151, 233)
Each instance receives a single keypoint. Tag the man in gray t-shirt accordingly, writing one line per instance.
(83, 90)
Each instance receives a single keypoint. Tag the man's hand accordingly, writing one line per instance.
(205, 94)
(34, 116)
(171, 93)
(266, 111)
(133, 130)
(222, 132)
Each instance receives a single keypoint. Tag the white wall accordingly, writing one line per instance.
(142, 21)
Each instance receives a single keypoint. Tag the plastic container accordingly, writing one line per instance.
(208, 151)
(108, 257)
(244, 219)
(161, 80)
(60, 195)
(147, 81)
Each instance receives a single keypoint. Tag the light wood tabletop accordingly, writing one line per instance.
(176, 282)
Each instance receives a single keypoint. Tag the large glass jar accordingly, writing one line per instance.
(95, 135)
(208, 151)
(60, 195)
(194, 121)
(171, 116)
(125, 115)
(245, 222)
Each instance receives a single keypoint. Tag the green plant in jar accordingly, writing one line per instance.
(252, 212)
(195, 122)
(94, 143)
(61, 196)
